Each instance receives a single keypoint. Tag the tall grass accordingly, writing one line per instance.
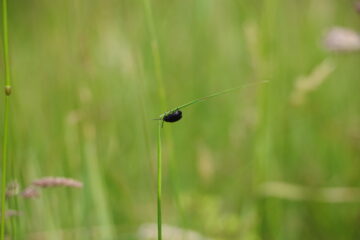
(159, 179)
(247, 166)
(6, 116)
(154, 43)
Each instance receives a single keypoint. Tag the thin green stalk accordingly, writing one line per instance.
(155, 52)
(4, 163)
(6, 48)
(159, 144)
(159, 163)
(6, 116)
(211, 96)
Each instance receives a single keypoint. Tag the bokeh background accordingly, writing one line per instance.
(272, 161)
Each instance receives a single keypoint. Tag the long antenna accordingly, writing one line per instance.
(211, 96)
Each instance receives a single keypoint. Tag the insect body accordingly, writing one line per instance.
(173, 116)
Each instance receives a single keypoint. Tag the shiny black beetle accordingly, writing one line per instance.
(172, 116)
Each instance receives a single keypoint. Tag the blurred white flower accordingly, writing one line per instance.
(149, 232)
(340, 39)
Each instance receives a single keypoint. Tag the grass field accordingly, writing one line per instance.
(270, 161)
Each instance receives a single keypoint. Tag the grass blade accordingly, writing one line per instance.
(211, 96)
(6, 117)
(159, 163)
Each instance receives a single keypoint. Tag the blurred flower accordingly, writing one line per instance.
(30, 192)
(12, 213)
(57, 182)
(340, 39)
(357, 6)
(12, 189)
(149, 232)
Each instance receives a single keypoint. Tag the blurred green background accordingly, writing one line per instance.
(270, 161)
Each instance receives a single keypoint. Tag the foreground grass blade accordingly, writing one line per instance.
(159, 163)
(211, 96)
(6, 116)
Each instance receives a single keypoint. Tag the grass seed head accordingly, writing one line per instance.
(57, 182)
(30, 192)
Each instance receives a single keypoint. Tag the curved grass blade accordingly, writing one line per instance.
(210, 96)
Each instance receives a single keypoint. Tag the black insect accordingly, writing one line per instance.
(172, 116)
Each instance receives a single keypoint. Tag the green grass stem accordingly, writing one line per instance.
(211, 96)
(159, 163)
(4, 166)
(6, 116)
(155, 52)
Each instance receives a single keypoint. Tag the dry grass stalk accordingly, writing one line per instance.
(205, 163)
(57, 182)
(304, 85)
(296, 192)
